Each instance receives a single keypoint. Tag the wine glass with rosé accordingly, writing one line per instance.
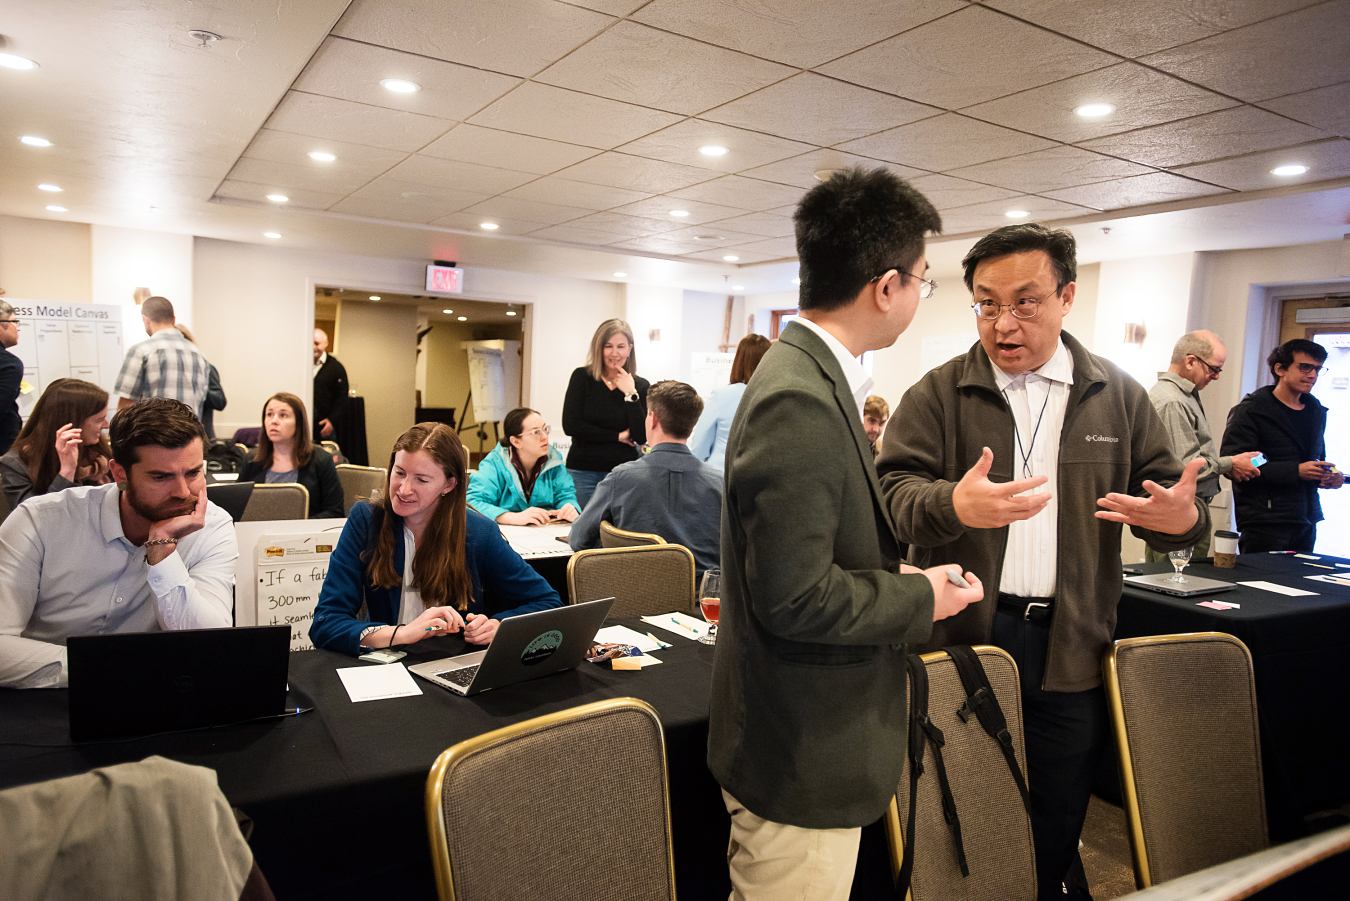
(710, 602)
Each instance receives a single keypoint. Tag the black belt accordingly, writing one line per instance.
(1033, 610)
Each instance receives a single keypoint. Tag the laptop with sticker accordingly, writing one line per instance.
(525, 647)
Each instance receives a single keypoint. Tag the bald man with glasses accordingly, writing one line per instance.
(11, 377)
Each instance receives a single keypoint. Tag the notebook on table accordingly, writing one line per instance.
(525, 647)
(141, 683)
(1192, 586)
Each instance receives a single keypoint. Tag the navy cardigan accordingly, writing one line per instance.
(504, 585)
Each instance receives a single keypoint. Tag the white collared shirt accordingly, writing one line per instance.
(859, 382)
(318, 364)
(410, 605)
(1038, 400)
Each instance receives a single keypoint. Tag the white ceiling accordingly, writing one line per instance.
(576, 127)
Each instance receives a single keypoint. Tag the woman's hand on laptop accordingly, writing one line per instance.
(479, 629)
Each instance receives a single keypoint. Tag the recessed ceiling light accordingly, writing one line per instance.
(271, 234)
(1095, 110)
(35, 141)
(462, 318)
(731, 258)
(708, 238)
(621, 275)
(278, 198)
(321, 156)
(400, 86)
(738, 287)
(679, 214)
(447, 312)
(10, 61)
(374, 297)
(490, 226)
(52, 188)
(57, 209)
(510, 312)
(1293, 169)
(712, 150)
(1017, 214)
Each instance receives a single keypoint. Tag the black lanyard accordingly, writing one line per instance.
(1026, 455)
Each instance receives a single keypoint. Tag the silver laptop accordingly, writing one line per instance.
(1192, 586)
(525, 647)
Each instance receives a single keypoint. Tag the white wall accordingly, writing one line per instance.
(701, 330)
(1154, 291)
(379, 351)
(649, 307)
(124, 259)
(43, 259)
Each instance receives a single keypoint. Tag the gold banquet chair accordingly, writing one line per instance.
(273, 502)
(613, 536)
(995, 827)
(1183, 708)
(360, 483)
(574, 804)
(644, 581)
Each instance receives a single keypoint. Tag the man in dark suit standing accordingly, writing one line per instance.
(808, 718)
(330, 389)
(11, 377)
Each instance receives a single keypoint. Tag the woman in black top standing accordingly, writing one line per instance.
(605, 408)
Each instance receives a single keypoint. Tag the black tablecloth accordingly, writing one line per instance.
(1301, 664)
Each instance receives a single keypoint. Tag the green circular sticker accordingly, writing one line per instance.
(541, 648)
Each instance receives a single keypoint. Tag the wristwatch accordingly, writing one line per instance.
(631, 398)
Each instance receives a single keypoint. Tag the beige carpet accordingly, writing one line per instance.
(1106, 851)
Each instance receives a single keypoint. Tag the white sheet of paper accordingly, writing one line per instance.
(538, 541)
(625, 635)
(1308, 556)
(681, 624)
(646, 660)
(1278, 589)
(1331, 579)
(375, 683)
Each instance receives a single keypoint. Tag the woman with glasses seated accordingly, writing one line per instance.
(523, 481)
(419, 561)
(286, 453)
(62, 444)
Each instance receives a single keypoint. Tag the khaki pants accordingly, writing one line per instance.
(775, 862)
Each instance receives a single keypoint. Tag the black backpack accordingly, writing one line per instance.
(223, 455)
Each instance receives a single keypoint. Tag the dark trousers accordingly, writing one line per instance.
(1066, 733)
(1291, 536)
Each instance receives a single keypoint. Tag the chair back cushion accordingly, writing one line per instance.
(274, 502)
(642, 580)
(995, 827)
(610, 536)
(1184, 710)
(359, 483)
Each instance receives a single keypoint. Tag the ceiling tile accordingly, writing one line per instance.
(743, 257)
(519, 37)
(1228, 132)
(767, 225)
(1143, 26)
(743, 193)
(472, 222)
(355, 123)
(989, 216)
(438, 173)
(611, 7)
(712, 236)
(284, 147)
(796, 32)
(619, 223)
(528, 210)
(680, 144)
(1327, 108)
(306, 176)
(946, 142)
(1325, 159)
(489, 147)
(575, 234)
(1159, 187)
(1048, 170)
(298, 199)
(801, 170)
(819, 110)
(1285, 55)
(945, 192)
(384, 199)
(636, 173)
(973, 55)
(774, 248)
(548, 112)
(659, 244)
(1141, 96)
(565, 192)
(642, 65)
(350, 70)
(660, 207)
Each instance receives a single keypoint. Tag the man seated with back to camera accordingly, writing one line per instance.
(149, 553)
(668, 491)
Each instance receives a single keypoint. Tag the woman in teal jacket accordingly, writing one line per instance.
(523, 481)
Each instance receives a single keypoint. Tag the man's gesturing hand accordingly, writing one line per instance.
(982, 504)
(1167, 510)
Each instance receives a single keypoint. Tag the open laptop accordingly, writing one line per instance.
(525, 647)
(1192, 586)
(140, 683)
(232, 497)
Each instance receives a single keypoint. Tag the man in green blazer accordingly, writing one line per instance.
(808, 718)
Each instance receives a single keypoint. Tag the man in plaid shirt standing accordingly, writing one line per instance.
(165, 365)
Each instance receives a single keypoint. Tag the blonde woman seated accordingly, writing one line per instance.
(62, 444)
(420, 561)
(523, 481)
(286, 453)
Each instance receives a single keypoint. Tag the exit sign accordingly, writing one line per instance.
(445, 279)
